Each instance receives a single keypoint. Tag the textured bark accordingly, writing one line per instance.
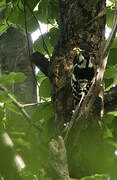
(14, 58)
(81, 26)
(58, 159)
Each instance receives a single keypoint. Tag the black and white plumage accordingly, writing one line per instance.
(82, 75)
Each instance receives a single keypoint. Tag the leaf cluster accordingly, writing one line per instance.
(12, 12)
(110, 76)
(28, 140)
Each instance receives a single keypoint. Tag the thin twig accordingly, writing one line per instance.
(30, 104)
(15, 102)
(19, 105)
(44, 44)
(101, 14)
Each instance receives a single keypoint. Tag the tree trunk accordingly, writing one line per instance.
(14, 58)
(82, 25)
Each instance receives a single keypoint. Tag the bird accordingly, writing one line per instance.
(81, 77)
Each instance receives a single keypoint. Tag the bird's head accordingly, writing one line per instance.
(84, 60)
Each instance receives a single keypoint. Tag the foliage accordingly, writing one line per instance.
(50, 39)
(33, 144)
(27, 144)
(12, 78)
(96, 177)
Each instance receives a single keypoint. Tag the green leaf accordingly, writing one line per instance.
(47, 10)
(45, 89)
(50, 39)
(23, 143)
(13, 108)
(53, 36)
(1, 113)
(113, 1)
(108, 118)
(114, 44)
(3, 28)
(112, 60)
(4, 97)
(114, 113)
(107, 133)
(31, 24)
(110, 72)
(2, 3)
(12, 78)
(18, 77)
(7, 1)
(32, 3)
(39, 44)
(43, 117)
(2, 9)
(110, 16)
(40, 77)
(16, 16)
(108, 83)
(95, 177)
(43, 113)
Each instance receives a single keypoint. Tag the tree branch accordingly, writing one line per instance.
(19, 105)
(41, 62)
(101, 14)
(15, 101)
(58, 160)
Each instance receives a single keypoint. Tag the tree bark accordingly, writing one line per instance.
(81, 26)
(14, 58)
(58, 159)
